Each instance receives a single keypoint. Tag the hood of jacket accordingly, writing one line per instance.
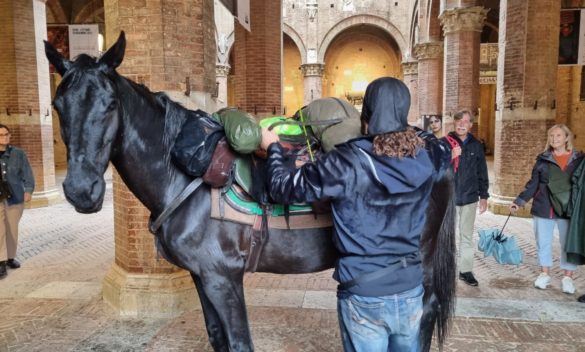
(397, 175)
(386, 105)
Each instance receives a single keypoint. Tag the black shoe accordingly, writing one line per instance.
(581, 299)
(13, 264)
(3, 271)
(468, 278)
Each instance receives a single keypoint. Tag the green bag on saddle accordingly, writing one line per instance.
(559, 190)
(241, 129)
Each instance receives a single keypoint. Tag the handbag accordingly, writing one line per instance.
(220, 168)
(559, 191)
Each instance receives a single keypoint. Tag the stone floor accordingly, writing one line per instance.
(53, 303)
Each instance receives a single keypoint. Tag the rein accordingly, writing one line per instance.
(153, 226)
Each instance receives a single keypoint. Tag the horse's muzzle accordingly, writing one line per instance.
(86, 195)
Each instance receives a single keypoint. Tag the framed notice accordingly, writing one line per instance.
(83, 39)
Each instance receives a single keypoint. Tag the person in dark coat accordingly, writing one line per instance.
(379, 187)
(575, 245)
(558, 156)
(471, 189)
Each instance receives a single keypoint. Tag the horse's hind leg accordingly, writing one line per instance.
(215, 333)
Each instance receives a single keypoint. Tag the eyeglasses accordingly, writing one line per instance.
(435, 121)
(4, 134)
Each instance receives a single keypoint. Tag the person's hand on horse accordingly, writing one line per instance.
(268, 137)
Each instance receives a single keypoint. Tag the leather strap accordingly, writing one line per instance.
(191, 187)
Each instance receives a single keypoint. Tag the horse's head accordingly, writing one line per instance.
(89, 113)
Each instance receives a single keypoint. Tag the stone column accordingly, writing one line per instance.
(169, 48)
(221, 76)
(430, 78)
(313, 81)
(462, 28)
(410, 73)
(525, 93)
(258, 60)
(25, 96)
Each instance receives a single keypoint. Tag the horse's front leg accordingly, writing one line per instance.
(224, 295)
(215, 333)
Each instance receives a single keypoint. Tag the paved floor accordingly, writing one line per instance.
(53, 303)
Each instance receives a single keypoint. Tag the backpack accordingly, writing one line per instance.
(559, 190)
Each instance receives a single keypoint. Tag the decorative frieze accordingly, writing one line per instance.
(428, 50)
(466, 19)
(410, 68)
(312, 70)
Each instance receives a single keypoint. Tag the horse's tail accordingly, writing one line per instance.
(438, 248)
(444, 263)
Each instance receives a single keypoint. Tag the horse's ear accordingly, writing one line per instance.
(60, 63)
(114, 56)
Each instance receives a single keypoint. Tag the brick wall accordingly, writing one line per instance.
(461, 72)
(258, 60)
(527, 73)
(430, 87)
(25, 91)
(167, 41)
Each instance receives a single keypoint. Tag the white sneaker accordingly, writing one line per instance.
(567, 284)
(542, 281)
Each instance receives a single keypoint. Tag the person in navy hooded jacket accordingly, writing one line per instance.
(379, 187)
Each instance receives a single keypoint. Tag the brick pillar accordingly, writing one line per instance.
(170, 47)
(462, 27)
(221, 75)
(258, 60)
(313, 81)
(25, 97)
(525, 93)
(430, 78)
(410, 73)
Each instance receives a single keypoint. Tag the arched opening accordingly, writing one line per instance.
(357, 56)
(292, 77)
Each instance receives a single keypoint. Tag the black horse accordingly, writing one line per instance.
(106, 117)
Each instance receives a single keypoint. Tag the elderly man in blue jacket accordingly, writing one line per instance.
(379, 187)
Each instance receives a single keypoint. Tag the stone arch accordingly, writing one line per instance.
(56, 11)
(296, 38)
(360, 20)
(92, 12)
(413, 33)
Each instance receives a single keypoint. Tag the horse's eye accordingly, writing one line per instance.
(113, 105)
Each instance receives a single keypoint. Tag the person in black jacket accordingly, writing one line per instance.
(471, 187)
(558, 156)
(379, 187)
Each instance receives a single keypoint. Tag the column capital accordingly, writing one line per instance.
(222, 70)
(463, 19)
(312, 70)
(410, 67)
(428, 50)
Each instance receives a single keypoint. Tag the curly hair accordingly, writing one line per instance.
(398, 144)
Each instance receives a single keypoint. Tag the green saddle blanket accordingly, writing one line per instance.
(238, 195)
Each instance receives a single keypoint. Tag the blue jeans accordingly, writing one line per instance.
(543, 229)
(380, 324)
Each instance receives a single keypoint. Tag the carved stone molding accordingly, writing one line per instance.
(312, 70)
(410, 68)
(463, 19)
(222, 70)
(428, 50)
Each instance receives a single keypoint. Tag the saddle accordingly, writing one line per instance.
(244, 200)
